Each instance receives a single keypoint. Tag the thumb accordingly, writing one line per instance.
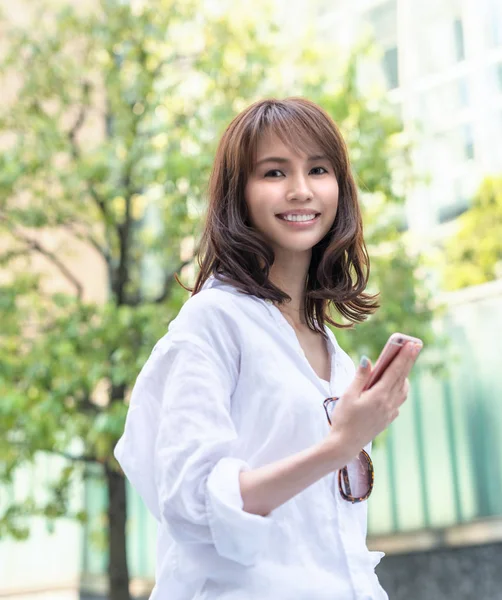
(361, 378)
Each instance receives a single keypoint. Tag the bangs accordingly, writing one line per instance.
(303, 128)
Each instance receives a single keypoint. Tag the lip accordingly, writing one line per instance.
(298, 211)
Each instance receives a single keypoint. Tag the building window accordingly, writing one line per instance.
(459, 201)
(494, 22)
(390, 68)
(468, 142)
(463, 92)
(496, 77)
(493, 82)
(445, 99)
(449, 163)
(452, 211)
(455, 146)
(439, 31)
(493, 140)
(383, 21)
(458, 37)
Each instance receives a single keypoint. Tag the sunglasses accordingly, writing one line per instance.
(355, 480)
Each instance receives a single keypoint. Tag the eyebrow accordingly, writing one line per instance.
(282, 160)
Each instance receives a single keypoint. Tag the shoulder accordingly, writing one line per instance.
(218, 301)
(204, 333)
(211, 310)
(214, 320)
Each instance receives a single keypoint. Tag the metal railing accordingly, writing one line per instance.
(440, 463)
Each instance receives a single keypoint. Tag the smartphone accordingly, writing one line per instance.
(394, 344)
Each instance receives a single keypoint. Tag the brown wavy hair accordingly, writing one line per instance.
(234, 252)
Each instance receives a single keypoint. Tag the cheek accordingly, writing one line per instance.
(331, 204)
(331, 196)
(257, 200)
(335, 190)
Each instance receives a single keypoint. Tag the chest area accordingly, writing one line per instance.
(278, 392)
(315, 349)
(286, 363)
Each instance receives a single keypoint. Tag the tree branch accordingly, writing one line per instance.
(87, 237)
(124, 228)
(124, 231)
(169, 280)
(37, 246)
(120, 277)
(70, 457)
(106, 253)
(75, 150)
(72, 134)
(6, 257)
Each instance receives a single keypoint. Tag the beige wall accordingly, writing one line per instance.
(49, 564)
(83, 261)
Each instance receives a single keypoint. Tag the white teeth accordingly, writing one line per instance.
(298, 217)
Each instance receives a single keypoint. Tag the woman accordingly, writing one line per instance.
(229, 437)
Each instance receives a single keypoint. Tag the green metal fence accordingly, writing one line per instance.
(52, 556)
(440, 462)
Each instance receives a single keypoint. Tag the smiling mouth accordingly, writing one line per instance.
(299, 218)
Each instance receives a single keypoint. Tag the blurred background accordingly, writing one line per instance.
(109, 116)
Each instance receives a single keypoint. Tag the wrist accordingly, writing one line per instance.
(332, 452)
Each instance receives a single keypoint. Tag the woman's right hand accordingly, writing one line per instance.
(359, 416)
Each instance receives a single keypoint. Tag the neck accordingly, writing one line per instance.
(289, 274)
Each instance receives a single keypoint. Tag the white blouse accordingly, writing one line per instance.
(230, 388)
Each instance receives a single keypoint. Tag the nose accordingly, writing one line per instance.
(299, 190)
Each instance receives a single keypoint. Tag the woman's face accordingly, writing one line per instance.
(292, 198)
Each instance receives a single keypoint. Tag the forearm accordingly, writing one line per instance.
(265, 488)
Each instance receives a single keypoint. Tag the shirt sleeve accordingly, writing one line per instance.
(197, 469)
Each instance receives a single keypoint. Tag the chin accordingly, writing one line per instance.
(295, 248)
(300, 245)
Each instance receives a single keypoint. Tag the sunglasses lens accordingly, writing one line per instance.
(359, 478)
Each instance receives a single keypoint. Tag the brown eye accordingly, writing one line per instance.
(321, 169)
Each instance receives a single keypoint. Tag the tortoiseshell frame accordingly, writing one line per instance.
(343, 472)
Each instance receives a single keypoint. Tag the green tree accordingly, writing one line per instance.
(109, 139)
(473, 255)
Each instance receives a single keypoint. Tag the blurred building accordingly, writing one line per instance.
(437, 511)
(441, 64)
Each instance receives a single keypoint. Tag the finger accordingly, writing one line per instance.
(412, 353)
(361, 378)
(400, 367)
(403, 394)
(394, 415)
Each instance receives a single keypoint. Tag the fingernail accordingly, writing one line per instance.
(365, 361)
(417, 348)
